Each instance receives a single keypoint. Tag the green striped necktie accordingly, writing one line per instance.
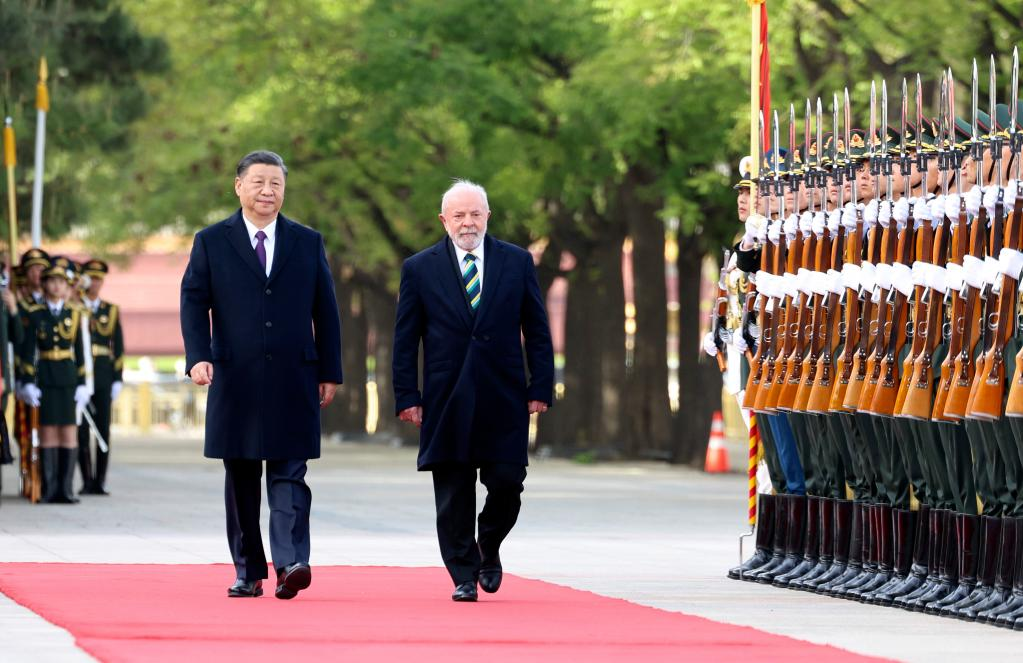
(471, 279)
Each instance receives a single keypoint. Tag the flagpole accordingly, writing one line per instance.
(42, 107)
(10, 161)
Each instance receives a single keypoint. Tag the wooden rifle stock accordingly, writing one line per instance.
(989, 384)
(844, 363)
(990, 300)
(816, 334)
(796, 360)
(793, 313)
(757, 360)
(957, 312)
(928, 251)
(872, 368)
(887, 388)
(777, 332)
(857, 368)
(917, 390)
(961, 379)
(824, 373)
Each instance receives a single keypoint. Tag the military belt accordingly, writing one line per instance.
(101, 350)
(56, 355)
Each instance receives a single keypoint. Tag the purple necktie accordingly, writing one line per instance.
(260, 249)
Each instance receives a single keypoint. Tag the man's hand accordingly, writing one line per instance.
(537, 406)
(327, 391)
(413, 415)
(202, 373)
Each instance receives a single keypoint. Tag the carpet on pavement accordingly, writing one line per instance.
(155, 613)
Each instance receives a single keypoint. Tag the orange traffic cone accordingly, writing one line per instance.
(717, 454)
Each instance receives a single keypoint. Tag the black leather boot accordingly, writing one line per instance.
(793, 540)
(811, 544)
(854, 564)
(966, 543)
(99, 484)
(844, 514)
(1003, 575)
(948, 565)
(885, 533)
(1012, 609)
(66, 476)
(50, 460)
(826, 551)
(869, 554)
(778, 531)
(990, 535)
(934, 552)
(917, 552)
(903, 531)
(765, 527)
(85, 465)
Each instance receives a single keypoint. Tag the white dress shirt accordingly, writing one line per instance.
(478, 252)
(91, 304)
(268, 243)
(55, 307)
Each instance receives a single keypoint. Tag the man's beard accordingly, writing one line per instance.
(469, 242)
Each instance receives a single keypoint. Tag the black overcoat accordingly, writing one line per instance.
(271, 340)
(475, 390)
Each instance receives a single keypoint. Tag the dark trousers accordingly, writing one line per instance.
(454, 488)
(289, 498)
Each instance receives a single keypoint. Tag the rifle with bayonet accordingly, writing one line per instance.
(762, 301)
(961, 382)
(917, 389)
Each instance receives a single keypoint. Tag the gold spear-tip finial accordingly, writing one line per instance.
(42, 94)
(9, 154)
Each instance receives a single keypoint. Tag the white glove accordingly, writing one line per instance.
(806, 223)
(1010, 193)
(708, 345)
(791, 226)
(870, 211)
(952, 207)
(922, 210)
(774, 231)
(31, 394)
(82, 396)
(739, 343)
(836, 217)
(974, 197)
(990, 198)
(849, 216)
(115, 390)
(760, 225)
(900, 211)
(831, 221)
(884, 216)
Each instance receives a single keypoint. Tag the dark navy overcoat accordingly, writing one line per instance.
(475, 391)
(271, 340)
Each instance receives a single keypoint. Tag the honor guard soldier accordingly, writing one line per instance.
(107, 347)
(53, 372)
(33, 262)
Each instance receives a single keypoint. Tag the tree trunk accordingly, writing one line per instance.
(700, 382)
(645, 413)
(347, 414)
(585, 420)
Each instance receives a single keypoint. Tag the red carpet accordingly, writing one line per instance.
(181, 613)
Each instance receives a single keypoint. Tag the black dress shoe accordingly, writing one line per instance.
(292, 579)
(465, 592)
(245, 589)
(491, 575)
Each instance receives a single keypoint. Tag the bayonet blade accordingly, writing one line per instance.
(975, 106)
(873, 121)
(883, 133)
(834, 130)
(904, 111)
(919, 116)
(790, 157)
(1014, 90)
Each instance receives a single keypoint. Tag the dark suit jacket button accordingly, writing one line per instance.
(486, 337)
(269, 324)
(269, 357)
(268, 291)
(474, 337)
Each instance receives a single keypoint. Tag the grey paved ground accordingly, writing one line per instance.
(649, 533)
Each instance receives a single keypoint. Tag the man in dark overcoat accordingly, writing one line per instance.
(470, 300)
(261, 328)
